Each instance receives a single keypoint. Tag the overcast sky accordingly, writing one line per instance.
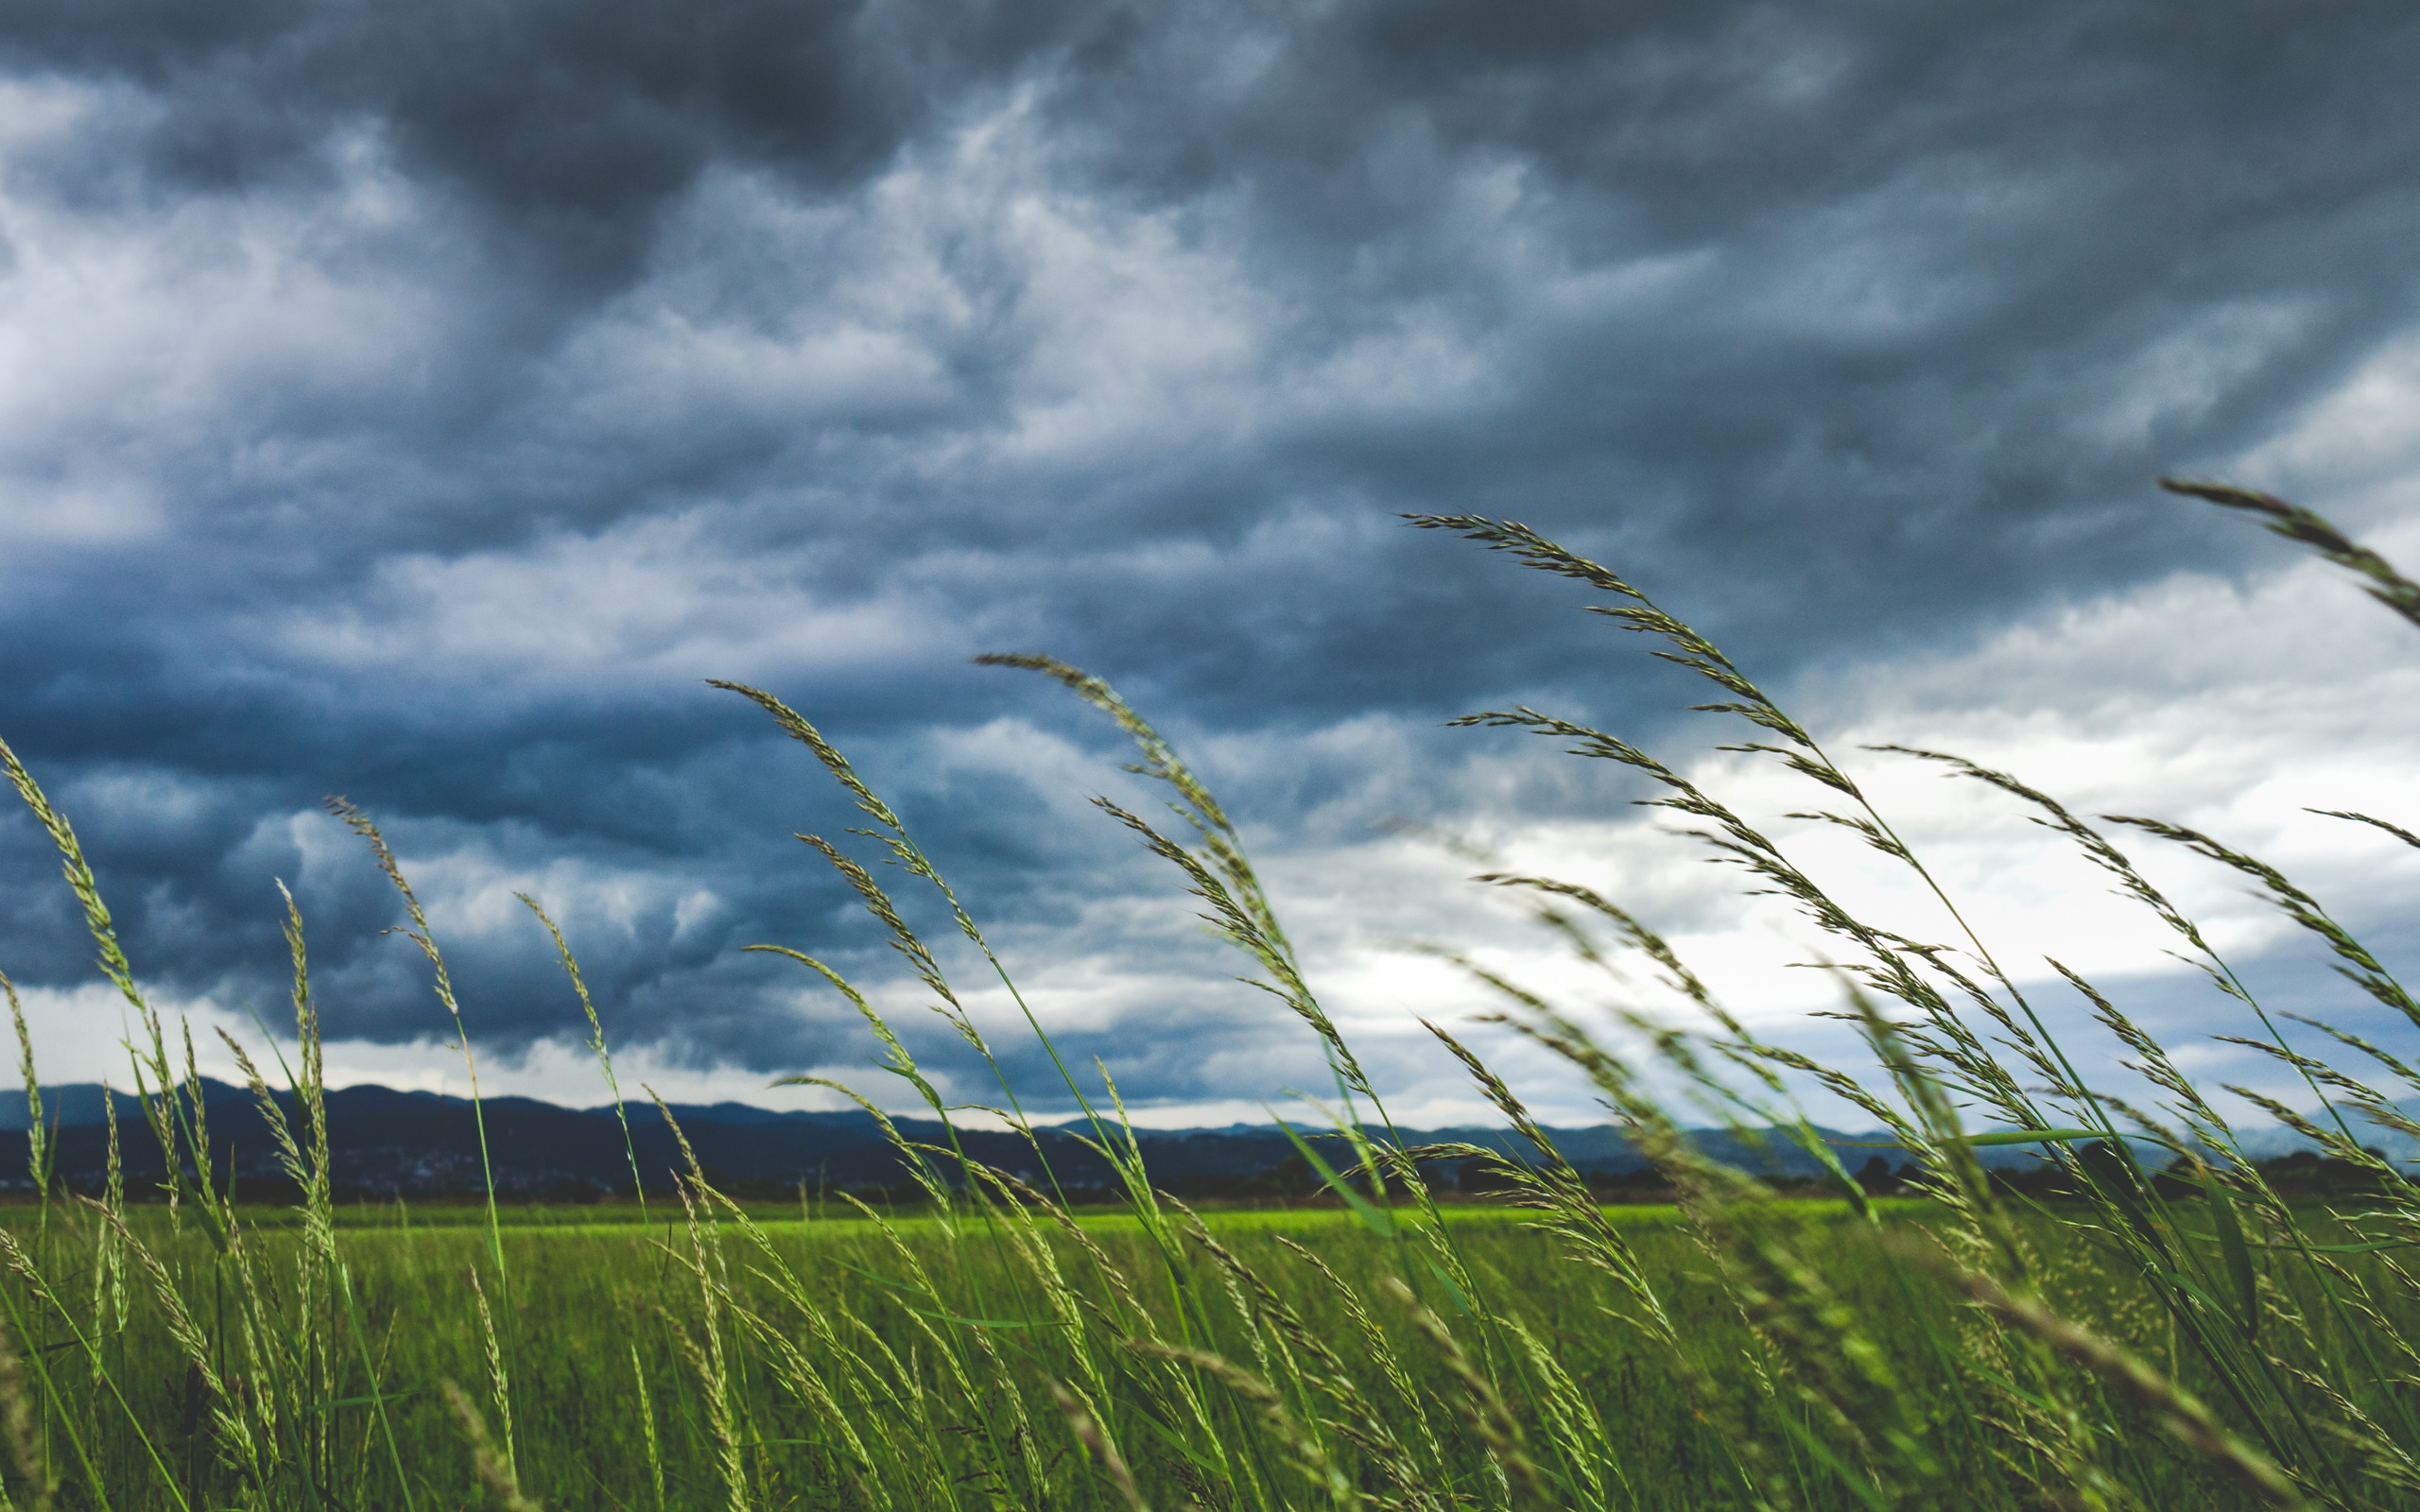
(417, 403)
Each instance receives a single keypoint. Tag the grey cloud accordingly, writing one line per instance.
(570, 123)
(483, 375)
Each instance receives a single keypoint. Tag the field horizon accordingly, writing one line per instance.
(385, 1143)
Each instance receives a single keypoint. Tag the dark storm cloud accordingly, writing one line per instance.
(568, 124)
(489, 373)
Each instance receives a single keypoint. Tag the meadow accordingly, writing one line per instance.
(2161, 1326)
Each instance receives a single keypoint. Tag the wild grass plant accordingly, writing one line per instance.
(2176, 1333)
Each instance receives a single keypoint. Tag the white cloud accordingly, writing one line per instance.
(2356, 448)
(80, 1035)
(652, 601)
(150, 343)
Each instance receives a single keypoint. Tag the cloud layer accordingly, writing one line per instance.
(417, 404)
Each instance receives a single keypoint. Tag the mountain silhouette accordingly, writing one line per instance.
(386, 1143)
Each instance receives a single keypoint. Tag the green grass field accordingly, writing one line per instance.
(2168, 1328)
(611, 1396)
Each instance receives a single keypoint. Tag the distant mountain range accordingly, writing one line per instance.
(420, 1145)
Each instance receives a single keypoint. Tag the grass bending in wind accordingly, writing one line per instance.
(2175, 1332)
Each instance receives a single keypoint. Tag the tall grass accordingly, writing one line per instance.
(2175, 1333)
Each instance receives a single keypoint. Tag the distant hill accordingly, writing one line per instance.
(420, 1145)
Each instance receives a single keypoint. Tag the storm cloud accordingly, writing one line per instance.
(417, 403)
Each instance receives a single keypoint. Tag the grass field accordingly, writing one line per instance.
(2170, 1329)
(606, 1315)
